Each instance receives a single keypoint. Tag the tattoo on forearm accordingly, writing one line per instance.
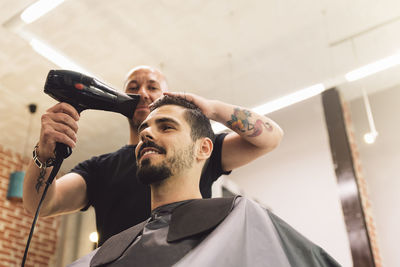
(240, 122)
(258, 128)
(40, 179)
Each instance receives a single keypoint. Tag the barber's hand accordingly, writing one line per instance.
(208, 107)
(58, 124)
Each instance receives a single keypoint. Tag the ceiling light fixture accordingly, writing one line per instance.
(282, 102)
(372, 68)
(56, 57)
(38, 9)
(370, 138)
(290, 99)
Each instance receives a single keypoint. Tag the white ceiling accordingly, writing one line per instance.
(242, 52)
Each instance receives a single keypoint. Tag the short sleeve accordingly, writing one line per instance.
(88, 169)
(213, 169)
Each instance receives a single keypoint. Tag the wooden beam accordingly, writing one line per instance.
(347, 181)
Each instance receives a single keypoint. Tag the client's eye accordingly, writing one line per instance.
(166, 127)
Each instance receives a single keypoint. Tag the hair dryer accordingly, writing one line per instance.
(84, 92)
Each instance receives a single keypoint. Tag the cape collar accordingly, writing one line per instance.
(189, 219)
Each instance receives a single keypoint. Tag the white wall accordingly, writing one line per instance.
(297, 180)
(381, 167)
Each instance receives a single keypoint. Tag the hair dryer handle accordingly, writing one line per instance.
(62, 151)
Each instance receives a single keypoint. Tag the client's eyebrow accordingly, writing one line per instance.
(144, 125)
(163, 120)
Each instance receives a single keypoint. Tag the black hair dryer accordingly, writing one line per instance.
(84, 92)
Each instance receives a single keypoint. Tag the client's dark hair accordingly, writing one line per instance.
(199, 123)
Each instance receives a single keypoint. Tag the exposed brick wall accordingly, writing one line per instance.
(363, 187)
(15, 223)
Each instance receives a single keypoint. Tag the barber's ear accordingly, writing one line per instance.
(205, 147)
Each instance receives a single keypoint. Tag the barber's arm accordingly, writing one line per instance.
(68, 193)
(254, 134)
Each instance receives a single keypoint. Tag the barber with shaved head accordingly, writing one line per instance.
(107, 182)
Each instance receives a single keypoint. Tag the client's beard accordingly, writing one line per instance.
(149, 174)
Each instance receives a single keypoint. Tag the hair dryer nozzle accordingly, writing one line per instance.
(84, 92)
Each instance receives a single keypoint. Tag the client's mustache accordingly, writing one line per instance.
(150, 144)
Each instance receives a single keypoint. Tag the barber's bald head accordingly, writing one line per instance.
(149, 83)
(155, 73)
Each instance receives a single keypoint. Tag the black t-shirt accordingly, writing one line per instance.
(119, 199)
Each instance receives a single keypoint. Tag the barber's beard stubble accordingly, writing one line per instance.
(149, 173)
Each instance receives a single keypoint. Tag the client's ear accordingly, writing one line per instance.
(204, 148)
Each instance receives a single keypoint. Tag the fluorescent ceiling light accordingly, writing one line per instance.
(282, 102)
(290, 99)
(55, 57)
(38, 9)
(372, 68)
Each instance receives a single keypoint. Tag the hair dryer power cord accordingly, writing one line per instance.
(54, 171)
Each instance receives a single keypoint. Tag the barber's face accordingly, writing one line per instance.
(149, 84)
(165, 147)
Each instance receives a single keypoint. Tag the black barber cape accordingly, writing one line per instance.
(219, 232)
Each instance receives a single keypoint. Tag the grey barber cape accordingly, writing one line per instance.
(210, 232)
